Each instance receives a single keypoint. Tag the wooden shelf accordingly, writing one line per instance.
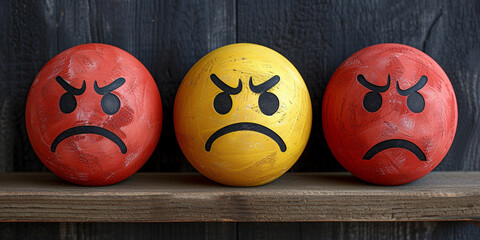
(160, 197)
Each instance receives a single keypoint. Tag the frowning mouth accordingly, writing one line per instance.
(89, 130)
(245, 126)
(395, 143)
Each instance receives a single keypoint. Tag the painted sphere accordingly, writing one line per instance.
(242, 115)
(389, 114)
(94, 114)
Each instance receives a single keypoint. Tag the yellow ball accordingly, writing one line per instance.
(243, 115)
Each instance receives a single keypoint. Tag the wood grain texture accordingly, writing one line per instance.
(170, 36)
(247, 231)
(173, 197)
(317, 36)
(359, 230)
(51, 231)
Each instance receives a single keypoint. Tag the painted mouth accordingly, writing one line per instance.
(246, 126)
(89, 130)
(395, 143)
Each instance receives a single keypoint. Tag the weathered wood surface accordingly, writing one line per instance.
(180, 197)
(317, 36)
(168, 37)
(226, 231)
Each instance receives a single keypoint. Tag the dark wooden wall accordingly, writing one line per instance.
(168, 37)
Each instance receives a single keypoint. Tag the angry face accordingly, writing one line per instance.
(242, 115)
(389, 114)
(94, 114)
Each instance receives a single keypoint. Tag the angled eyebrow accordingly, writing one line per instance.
(224, 87)
(264, 86)
(361, 79)
(419, 85)
(69, 88)
(110, 87)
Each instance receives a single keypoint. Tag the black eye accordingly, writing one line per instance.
(67, 103)
(415, 102)
(372, 101)
(268, 103)
(110, 104)
(222, 103)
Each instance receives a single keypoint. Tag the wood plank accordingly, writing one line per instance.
(82, 230)
(359, 230)
(22, 56)
(246, 231)
(317, 36)
(168, 37)
(27, 231)
(160, 197)
(180, 231)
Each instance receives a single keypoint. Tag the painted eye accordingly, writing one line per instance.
(67, 103)
(372, 101)
(110, 104)
(415, 102)
(268, 103)
(222, 103)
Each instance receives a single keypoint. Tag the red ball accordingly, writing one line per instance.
(389, 114)
(94, 114)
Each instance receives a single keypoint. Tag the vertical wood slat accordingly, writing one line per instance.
(359, 230)
(316, 36)
(66, 230)
(455, 37)
(260, 231)
(166, 36)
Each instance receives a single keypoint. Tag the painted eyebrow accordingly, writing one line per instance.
(361, 79)
(419, 85)
(69, 88)
(110, 87)
(224, 87)
(264, 86)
